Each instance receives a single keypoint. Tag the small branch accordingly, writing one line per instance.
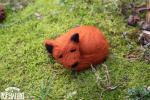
(96, 74)
(142, 9)
(148, 13)
(107, 74)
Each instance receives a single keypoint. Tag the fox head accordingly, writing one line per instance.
(65, 50)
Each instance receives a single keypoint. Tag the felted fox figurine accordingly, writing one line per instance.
(79, 48)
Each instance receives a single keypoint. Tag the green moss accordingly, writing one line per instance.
(25, 64)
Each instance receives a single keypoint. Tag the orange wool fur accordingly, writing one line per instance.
(79, 48)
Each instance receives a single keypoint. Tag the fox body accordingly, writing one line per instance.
(78, 48)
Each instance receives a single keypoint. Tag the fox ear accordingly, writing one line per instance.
(75, 37)
(49, 45)
(49, 48)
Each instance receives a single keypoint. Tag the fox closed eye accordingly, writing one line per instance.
(61, 56)
(73, 50)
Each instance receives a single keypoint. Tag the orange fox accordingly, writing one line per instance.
(79, 48)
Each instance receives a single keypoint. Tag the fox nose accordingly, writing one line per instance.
(74, 65)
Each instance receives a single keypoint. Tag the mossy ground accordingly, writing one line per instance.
(24, 62)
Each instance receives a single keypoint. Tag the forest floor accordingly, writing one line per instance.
(24, 62)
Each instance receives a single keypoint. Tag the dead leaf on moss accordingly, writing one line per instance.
(146, 55)
(16, 4)
(134, 55)
(139, 54)
(38, 15)
(144, 39)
